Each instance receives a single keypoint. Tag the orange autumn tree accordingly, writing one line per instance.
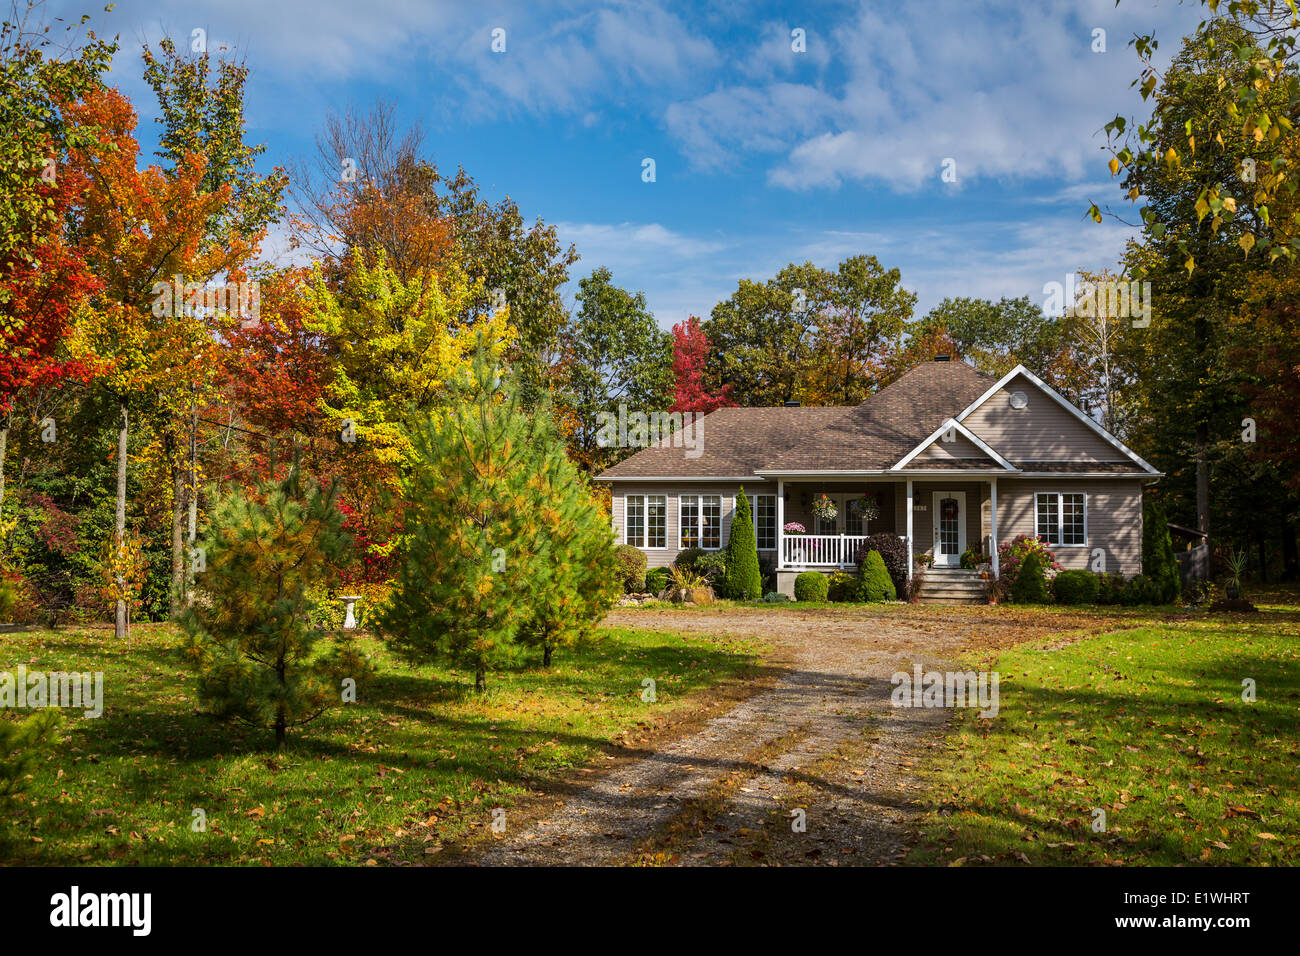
(139, 228)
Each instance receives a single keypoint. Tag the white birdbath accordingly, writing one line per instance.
(350, 620)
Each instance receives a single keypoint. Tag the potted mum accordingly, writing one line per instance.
(795, 527)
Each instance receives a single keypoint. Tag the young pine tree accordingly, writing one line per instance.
(248, 633)
(473, 554)
(22, 744)
(1158, 561)
(579, 578)
(744, 580)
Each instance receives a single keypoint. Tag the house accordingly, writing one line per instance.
(950, 457)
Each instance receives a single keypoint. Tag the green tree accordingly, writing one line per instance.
(22, 744)
(743, 579)
(38, 77)
(1158, 563)
(203, 117)
(1030, 586)
(474, 545)
(579, 573)
(1256, 87)
(874, 582)
(616, 352)
(1190, 394)
(410, 209)
(808, 334)
(248, 634)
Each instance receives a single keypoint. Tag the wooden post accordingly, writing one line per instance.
(993, 525)
(780, 522)
(911, 557)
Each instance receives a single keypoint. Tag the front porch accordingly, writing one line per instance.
(935, 516)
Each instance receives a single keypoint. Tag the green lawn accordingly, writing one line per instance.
(1147, 724)
(419, 760)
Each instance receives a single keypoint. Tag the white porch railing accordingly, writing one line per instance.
(820, 550)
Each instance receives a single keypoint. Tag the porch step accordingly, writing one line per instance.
(952, 586)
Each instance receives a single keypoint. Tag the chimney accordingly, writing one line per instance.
(943, 357)
(791, 404)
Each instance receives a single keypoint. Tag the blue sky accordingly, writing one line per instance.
(763, 155)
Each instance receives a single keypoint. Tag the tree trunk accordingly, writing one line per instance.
(1203, 485)
(546, 655)
(193, 519)
(4, 441)
(1261, 545)
(119, 521)
(281, 724)
(1290, 557)
(480, 680)
(175, 599)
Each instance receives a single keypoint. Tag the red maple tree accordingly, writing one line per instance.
(690, 352)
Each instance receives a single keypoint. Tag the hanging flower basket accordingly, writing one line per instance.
(868, 507)
(824, 509)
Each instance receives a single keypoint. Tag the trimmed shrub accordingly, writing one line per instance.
(1076, 587)
(811, 586)
(1140, 589)
(711, 564)
(874, 582)
(893, 551)
(1030, 586)
(656, 580)
(1159, 566)
(1110, 588)
(631, 568)
(1012, 554)
(686, 558)
(843, 587)
(742, 579)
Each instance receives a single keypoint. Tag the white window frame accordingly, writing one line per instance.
(753, 514)
(698, 507)
(682, 511)
(648, 545)
(627, 523)
(703, 546)
(1059, 498)
(644, 544)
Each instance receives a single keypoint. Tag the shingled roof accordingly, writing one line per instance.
(889, 424)
(737, 442)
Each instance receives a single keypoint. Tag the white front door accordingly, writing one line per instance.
(949, 528)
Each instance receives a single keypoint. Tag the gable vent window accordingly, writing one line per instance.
(1019, 400)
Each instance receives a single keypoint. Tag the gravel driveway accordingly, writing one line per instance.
(822, 739)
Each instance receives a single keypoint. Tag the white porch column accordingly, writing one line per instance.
(993, 524)
(911, 558)
(780, 522)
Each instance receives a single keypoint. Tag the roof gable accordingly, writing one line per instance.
(1048, 428)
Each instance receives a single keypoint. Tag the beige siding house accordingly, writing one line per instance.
(953, 459)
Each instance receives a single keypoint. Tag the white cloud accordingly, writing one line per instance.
(1006, 91)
